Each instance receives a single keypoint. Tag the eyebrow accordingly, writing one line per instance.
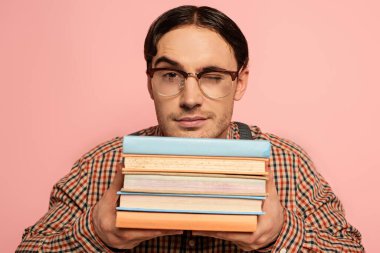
(165, 59)
(213, 68)
(169, 61)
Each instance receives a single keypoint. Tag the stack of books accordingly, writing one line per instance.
(192, 183)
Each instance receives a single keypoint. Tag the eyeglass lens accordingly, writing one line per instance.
(212, 84)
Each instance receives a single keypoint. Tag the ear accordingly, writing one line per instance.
(241, 85)
(149, 85)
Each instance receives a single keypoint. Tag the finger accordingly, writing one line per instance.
(236, 237)
(245, 241)
(138, 235)
(134, 237)
(172, 232)
(246, 247)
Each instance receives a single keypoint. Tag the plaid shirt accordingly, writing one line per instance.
(313, 218)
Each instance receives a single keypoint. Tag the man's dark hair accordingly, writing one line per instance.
(205, 17)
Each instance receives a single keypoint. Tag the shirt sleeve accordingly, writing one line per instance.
(318, 223)
(67, 226)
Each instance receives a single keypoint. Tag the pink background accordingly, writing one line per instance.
(72, 76)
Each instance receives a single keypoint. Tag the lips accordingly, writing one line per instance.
(191, 121)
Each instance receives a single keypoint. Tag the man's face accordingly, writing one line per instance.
(190, 113)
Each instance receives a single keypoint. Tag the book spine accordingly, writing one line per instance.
(194, 164)
(233, 171)
(195, 146)
(191, 195)
(158, 210)
(241, 193)
(177, 221)
(197, 191)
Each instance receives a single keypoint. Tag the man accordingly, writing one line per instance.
(196, 68)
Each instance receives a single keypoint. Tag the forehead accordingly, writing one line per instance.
(195, 47)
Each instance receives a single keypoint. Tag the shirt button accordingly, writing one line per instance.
(283, 250)
(191, 243)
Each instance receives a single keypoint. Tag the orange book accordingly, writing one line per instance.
(186, 221)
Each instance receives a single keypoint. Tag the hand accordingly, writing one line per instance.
(104, 217)
(268, 227)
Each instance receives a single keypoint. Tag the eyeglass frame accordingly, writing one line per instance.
(234, 74)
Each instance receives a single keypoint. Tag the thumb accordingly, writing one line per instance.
(110, 196)
(117, 182)
(271, 185)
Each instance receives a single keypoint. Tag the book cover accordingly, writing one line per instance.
(195, 146)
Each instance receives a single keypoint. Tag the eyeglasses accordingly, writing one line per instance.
(213, 83)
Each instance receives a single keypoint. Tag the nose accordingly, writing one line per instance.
(191, 96)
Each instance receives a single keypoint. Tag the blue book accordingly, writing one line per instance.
(154, 145)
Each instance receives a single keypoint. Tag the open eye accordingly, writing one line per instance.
(170, 75)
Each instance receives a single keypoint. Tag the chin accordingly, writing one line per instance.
(195, 133)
